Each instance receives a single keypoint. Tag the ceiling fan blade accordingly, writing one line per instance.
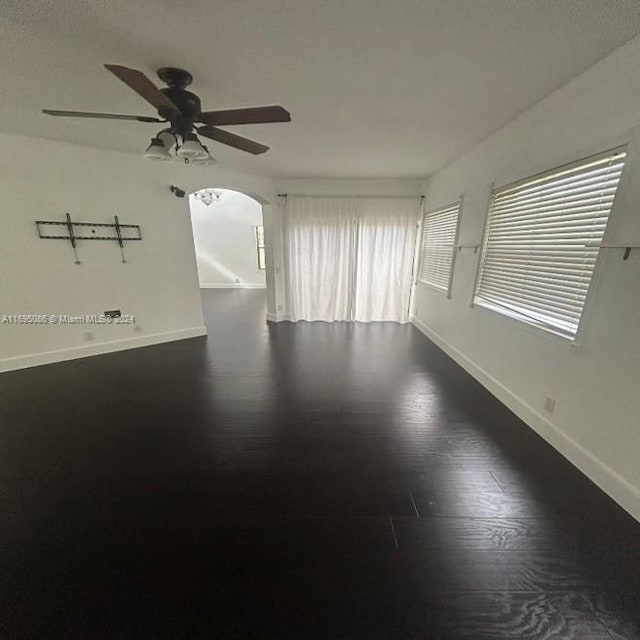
(219, 135)
(137, 81)
(252, 115)
(106, 116)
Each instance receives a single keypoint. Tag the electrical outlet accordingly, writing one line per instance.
(137, 328)
(87, 335)
(549, 404)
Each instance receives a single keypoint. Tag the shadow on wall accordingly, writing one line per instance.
(228, 237)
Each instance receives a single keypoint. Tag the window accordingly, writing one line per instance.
(262, 265)
(438, 248)
(542, 239)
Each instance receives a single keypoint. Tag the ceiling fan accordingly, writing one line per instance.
(181, 109)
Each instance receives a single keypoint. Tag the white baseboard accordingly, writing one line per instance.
(613, 484)
(84, 351)
(279, 317)
(232, 285)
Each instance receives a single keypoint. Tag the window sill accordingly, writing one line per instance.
(446, 293)
(530, 324)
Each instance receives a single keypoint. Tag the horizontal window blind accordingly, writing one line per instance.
(542, 241)
(437, 251)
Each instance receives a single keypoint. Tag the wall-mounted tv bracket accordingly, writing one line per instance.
(50, 230)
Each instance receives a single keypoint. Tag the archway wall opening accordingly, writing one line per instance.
(228, 235)
(262, 191)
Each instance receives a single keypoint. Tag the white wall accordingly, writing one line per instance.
(41, 179)
(341, 187)
(225, 240)
(597, 418)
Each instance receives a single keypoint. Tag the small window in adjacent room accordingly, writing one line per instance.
(262, 265)
(438, 247)
(542, 240)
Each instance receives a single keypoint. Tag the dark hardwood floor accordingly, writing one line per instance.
(309, 481)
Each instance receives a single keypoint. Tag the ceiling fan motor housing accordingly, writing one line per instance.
(188, 103)
(174, 77)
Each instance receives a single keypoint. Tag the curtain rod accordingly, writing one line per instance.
(342, 195)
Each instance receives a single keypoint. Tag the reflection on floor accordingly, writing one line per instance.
(324, 481)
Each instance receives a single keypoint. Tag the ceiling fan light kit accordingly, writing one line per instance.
(168, 146)
(157, 150)
(207, 160)
(191, 148)
(182, 110)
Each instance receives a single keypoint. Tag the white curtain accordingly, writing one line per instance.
(386, 244)
(349, 258)
(319, 236)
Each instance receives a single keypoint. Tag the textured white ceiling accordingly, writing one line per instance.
(376, 88)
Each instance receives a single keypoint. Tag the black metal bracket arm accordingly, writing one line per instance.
(47, 230)
(627, 249)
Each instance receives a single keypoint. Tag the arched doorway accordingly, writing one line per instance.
(272, 275)
(229, 239)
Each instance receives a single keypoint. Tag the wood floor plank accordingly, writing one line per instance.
(455, 534)
(477, 571)
(507, 616)
(491, 504)
(619, 613)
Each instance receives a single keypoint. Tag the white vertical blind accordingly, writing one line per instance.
(437, 250)
(542, 240)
